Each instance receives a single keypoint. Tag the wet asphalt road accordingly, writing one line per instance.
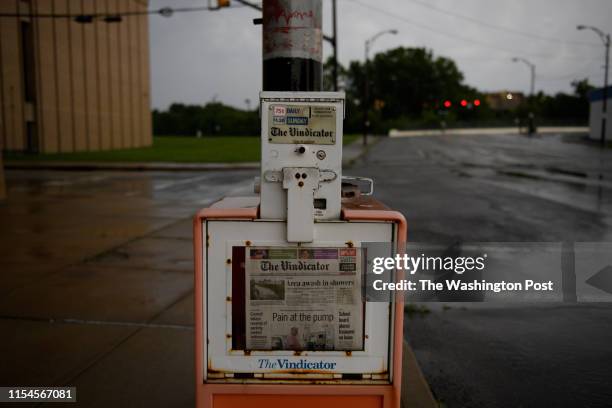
(501, 189)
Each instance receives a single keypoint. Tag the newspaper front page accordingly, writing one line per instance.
(303, 299)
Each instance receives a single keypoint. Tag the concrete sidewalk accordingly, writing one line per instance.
(96, 282)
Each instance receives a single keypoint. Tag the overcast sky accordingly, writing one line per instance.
(200, 56)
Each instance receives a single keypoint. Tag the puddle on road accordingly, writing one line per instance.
(592, 194)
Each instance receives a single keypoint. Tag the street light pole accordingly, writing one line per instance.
(366, 80)
(366, 93)
(605, 92)
(604, 106)
(530, 117)
(532, 68)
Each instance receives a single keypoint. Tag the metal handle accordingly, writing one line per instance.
(362, 179)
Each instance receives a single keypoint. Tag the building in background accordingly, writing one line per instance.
(596, 113)
(504, 100)
(67, 86)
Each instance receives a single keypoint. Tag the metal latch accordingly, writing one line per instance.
(300, 183)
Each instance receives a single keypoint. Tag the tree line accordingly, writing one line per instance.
(212, 119)
(407, 88)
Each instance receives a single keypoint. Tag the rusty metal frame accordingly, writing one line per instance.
(389, 395)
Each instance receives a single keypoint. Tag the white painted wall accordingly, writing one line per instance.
(595, 120)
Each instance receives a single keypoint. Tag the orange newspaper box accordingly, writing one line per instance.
(281, 319)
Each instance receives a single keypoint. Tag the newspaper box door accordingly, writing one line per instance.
(279, 311)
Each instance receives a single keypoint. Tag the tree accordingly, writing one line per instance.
(409, 78)
(328, 75)
(563, 108)
(582, 88)
(212, 119)
(406, 85)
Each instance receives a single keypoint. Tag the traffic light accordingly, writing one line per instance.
(476, 102)
(447, 104)
(218, 4)
(463, 103)
(379, 104)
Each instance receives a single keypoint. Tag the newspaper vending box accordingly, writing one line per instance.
(280, 316)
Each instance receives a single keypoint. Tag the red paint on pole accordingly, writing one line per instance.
(292, 45)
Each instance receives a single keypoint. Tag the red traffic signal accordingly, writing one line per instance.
(476, 102)
(463, 102)
(447, 104)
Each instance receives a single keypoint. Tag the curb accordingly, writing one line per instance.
(415, 390)
(349, 159)
(394, 133)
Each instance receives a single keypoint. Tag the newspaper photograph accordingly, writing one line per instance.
(303, 299)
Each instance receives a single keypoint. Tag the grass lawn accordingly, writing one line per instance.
(222, 149)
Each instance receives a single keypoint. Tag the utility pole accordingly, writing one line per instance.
(366, 85)
(335, 43)
(333, 40)
(604, 106)
(299, 67)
